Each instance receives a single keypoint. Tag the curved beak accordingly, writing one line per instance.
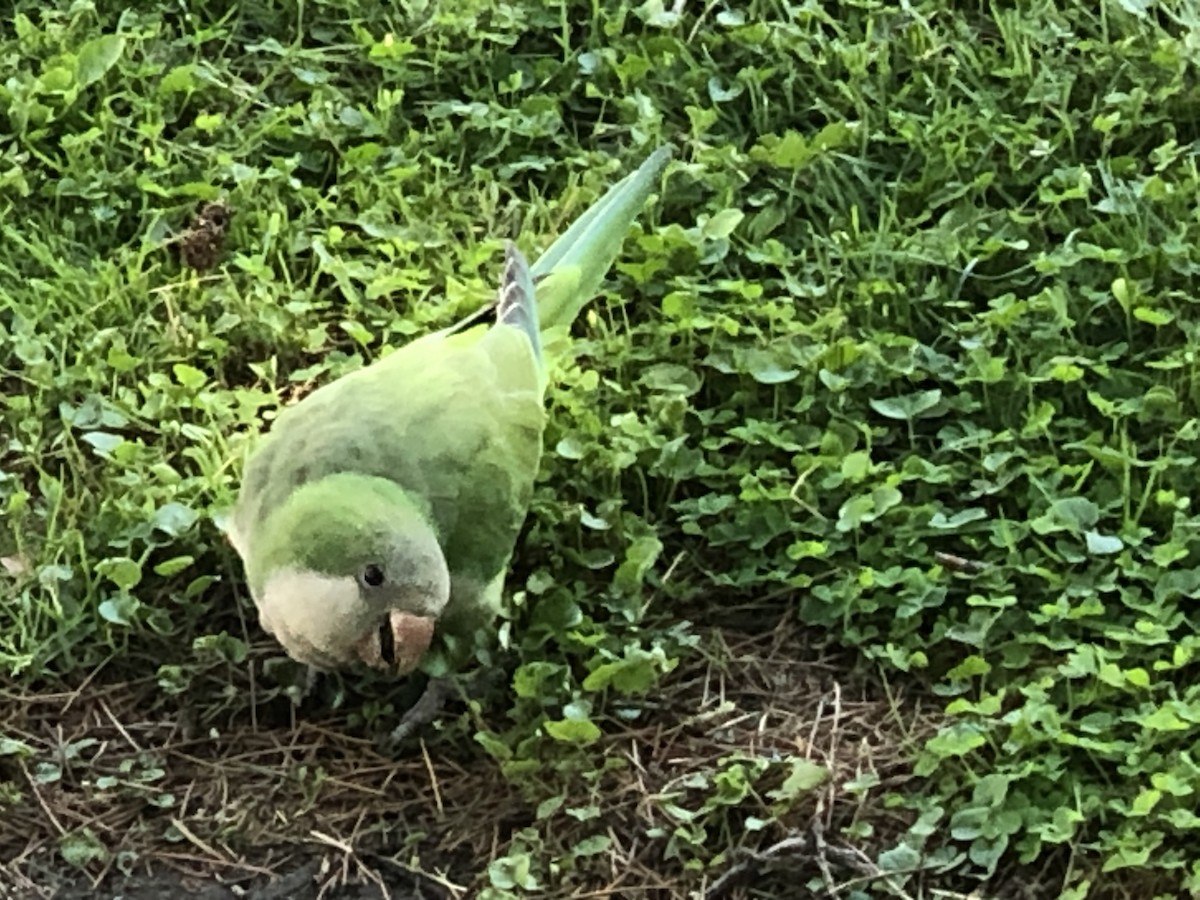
(400, 643)
(411, 637)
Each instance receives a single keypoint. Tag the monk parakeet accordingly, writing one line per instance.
(386, 504)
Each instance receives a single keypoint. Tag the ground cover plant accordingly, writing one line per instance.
(863, 558)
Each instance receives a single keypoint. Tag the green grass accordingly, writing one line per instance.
(920, 283)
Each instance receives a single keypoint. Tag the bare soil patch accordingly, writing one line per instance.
(303, 809)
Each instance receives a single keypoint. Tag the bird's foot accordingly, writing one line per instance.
(433, 700)
(425, 710)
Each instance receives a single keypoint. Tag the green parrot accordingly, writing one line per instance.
(386, 505)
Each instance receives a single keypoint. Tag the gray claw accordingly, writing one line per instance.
(425, 710)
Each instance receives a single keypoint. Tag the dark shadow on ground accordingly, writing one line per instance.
(306, 805)
(308, 881)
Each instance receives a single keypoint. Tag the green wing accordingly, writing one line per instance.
(456, 420)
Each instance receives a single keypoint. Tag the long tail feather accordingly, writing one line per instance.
(517, 305)
(569, 273)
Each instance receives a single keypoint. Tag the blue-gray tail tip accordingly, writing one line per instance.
(517, 304)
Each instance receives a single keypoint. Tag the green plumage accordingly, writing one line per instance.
(444, 435)
(455, 420)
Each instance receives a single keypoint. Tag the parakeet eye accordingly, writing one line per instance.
(372, 575)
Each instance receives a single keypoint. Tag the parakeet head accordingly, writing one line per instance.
(348, 570)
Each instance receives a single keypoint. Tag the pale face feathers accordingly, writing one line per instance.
(323, 621)
(348, 571)
(315, 617)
